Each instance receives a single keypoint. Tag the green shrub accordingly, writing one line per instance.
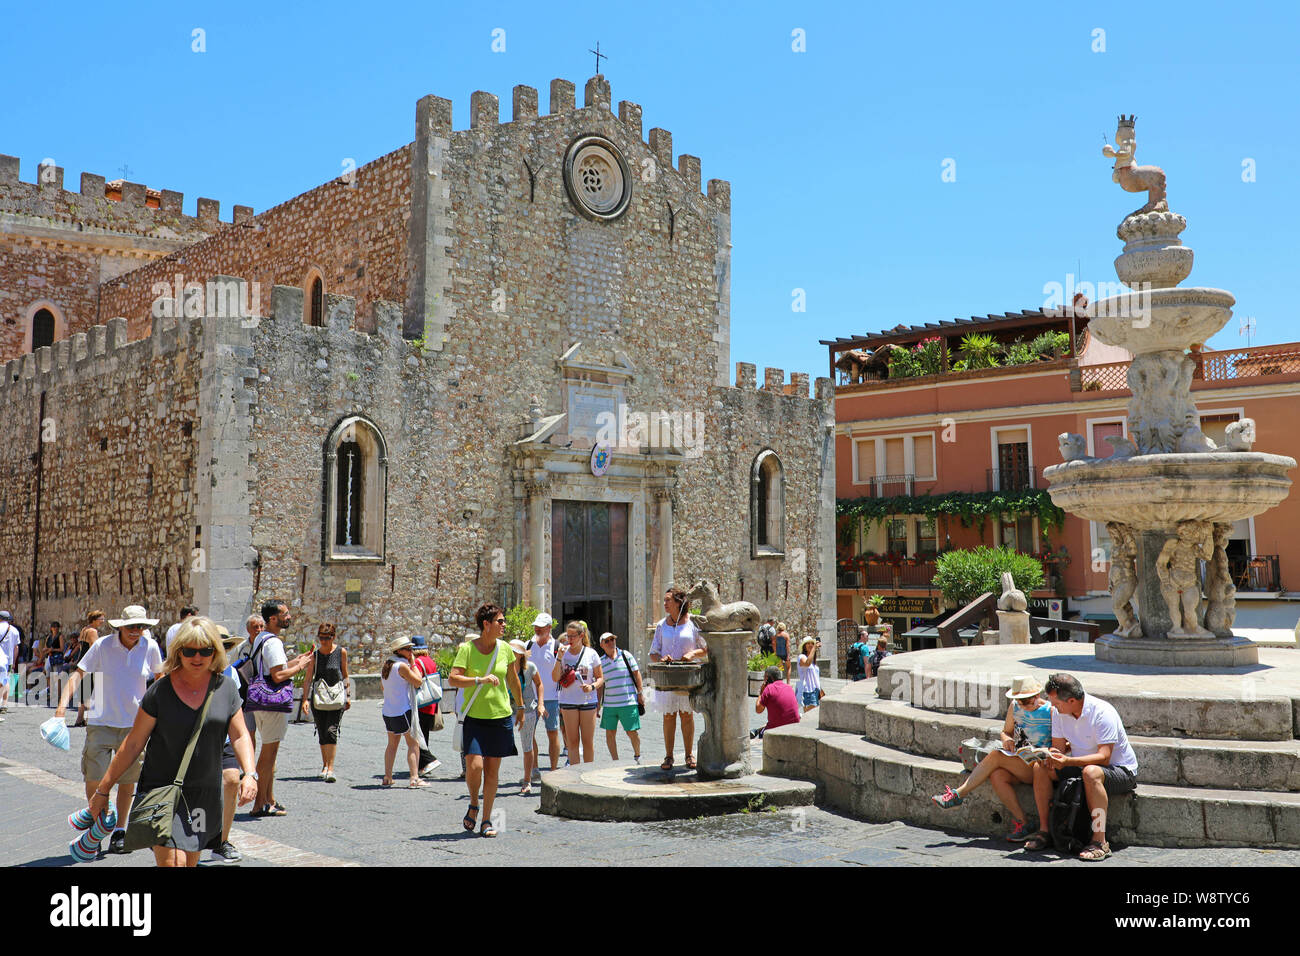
(964, 575)
(761, 662)
(924, 358)
(519, 623)
(979, 350)
(1051, 345)
(1019, 352)
(443, 658)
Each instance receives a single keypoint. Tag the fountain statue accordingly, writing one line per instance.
(1168, 495)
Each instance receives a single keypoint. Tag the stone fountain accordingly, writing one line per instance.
(1168, 495)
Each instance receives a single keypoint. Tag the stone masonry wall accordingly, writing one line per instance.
(353, 233)
(57, 246)
(118, 463)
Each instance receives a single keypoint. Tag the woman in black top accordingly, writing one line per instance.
(165, 721)
(329, 664)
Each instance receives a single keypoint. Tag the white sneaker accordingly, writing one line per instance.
(428, 771)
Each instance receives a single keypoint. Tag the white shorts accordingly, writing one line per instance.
(669, 702)
(272, 726)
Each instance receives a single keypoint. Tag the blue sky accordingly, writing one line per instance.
(835, 154)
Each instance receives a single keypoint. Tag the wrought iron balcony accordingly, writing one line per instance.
(1014, 479)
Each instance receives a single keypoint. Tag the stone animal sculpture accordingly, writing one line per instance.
(716, 616)
(1241, 435)
(1123, 448)
(1131, 177)
(1012, 599)
(1073, 447)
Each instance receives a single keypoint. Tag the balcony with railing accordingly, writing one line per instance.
(1019, 478)
(1229, 365)
(889, 486)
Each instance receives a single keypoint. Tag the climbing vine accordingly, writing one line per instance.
(969, 506)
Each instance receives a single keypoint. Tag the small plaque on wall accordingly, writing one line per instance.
(352, 591)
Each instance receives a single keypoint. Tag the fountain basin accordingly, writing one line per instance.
(1161, 319)
(1155, 492)
(677, 677)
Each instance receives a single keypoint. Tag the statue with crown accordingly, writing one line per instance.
(1132, 177)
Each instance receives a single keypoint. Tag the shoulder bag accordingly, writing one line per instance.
(458, 735)
(430, 691)
(640, 701)
(264, 694)
(153, 814)
(327, 696)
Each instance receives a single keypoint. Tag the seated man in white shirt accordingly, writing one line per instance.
(1099, 751)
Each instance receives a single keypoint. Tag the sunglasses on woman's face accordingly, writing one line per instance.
(500, 620)
(200, 651)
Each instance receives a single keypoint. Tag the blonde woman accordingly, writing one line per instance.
(192, 678)
(579, 677)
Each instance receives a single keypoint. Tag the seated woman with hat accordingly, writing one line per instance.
(1029, 721)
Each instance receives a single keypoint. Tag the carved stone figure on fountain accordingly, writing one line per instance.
(1221, 604)
(1178, 571)
(1073, 447)
(716, 616)
(1123, 578)
(1241, 435)
(1132, 177)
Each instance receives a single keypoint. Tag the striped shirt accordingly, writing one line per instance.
(620, 685)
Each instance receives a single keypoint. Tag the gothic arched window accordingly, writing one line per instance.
(767, 506)
(356, 491)
(45, 326)
(313, 311)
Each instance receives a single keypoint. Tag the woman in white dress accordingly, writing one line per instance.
(676, 639)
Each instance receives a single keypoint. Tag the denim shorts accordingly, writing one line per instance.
(811, 697)
(552, 714)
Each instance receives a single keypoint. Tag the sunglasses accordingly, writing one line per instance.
(200, 651)
(500, 620)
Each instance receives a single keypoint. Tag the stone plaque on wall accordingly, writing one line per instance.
(591, 407)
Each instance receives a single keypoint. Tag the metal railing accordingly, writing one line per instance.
(889, 486)
(1013, 479)
(1256, 572)
(1223, 366)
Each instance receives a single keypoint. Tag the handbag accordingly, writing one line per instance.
(264, 694)
(430, 691)
(327, 697)
(153, 814)
(570, 673)
(458, 735)
(640, 700)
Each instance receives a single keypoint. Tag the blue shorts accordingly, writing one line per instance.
(552, 714)
(811, 697)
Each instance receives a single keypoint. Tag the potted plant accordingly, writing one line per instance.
(756, 665)
(871, 613)
(443, 657)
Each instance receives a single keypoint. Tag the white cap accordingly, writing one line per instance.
(543, 620)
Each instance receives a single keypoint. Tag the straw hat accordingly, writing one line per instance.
(228, 640)
(133, 614)
(1022, 687)
(398, 644)
(519, 648)
(806, 641)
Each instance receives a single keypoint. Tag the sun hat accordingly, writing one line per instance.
(419, 641)
(519, 648)
(133, 614)
(543, 620)
(399, 643)
(6, 616)
(228, 640)
(807, 640)
(1024, 687)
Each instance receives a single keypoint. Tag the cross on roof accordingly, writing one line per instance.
(125, 170)
(599, 55)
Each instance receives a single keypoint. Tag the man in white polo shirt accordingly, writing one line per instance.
(1099, 751)
(9, 645)
(542, 653)
(126, 661)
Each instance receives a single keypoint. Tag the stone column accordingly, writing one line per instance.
(724, 700)
(665, 498)
(1152, 612)
(537, 544)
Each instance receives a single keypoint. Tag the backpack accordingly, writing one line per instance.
(1070, 823)
(853, 662)
(765, 635)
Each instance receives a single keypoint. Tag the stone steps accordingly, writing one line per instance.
(880, 783)
(1265, 765)
(1236, 705)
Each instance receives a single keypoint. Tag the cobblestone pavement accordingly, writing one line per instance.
(356, 821)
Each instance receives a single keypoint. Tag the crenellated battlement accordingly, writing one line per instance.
(434, 115)
(774, 382)
(117, 205)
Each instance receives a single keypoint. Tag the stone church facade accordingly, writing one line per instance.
(493, 364)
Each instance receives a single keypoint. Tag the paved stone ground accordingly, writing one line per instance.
(356, 821)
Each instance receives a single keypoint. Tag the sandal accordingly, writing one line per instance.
(690, 762)
(487, 829)
(1095, 852)
(471, 819)
(1038, 841)
(667, 764)
(417, 784)
(387, 783)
